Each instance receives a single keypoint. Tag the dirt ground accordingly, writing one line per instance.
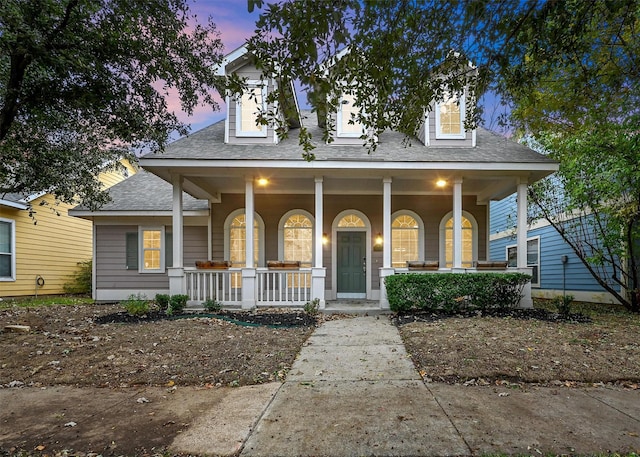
(67, 347)
(483, 350)
(182, 365)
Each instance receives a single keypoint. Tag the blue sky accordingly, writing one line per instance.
(236, 25)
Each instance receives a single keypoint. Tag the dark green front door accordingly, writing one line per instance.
(351, 264)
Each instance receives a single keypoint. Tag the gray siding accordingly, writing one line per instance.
(110, 258)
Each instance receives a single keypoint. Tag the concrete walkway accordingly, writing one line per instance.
(354, 391)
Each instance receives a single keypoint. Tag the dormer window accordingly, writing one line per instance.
(347, 125)
(450, 118)
(248, 107)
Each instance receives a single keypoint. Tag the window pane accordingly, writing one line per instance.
(298, 239)
(237, 241)
(467, 243)
(5, 237)
(351, 220)
(450, 117)
(5, 266)
(152, 259)
(512, 257)
(532, 252)
(404, 240)
(152, 239)
(251, 105)
(349, 111)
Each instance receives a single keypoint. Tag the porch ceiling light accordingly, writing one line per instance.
(263, 181)
(441, 183)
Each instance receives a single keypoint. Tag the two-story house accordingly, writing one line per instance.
(268, 228)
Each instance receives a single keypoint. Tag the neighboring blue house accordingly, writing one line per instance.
(546, 251)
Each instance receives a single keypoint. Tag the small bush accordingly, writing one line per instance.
(312, 307)
(177, 304)
(563, 304)
(162, 300)
(81, 281)
(213, 306)
(137, 305)
(452, 291)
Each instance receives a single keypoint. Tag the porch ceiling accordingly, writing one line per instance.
(210, 182)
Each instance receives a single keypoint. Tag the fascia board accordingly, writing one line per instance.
(351, 164)
(11, 204)
(189, 213)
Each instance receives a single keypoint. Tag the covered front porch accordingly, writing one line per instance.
(370, 201)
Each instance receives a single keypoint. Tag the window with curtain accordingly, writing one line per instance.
(298, 239)
(405, 233)
(152, 248)
(450, 118)
(249, 105)
(347, 111)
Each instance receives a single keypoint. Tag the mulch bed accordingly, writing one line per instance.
(406, 317)
(268, 318)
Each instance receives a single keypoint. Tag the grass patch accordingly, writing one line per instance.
(31, 302)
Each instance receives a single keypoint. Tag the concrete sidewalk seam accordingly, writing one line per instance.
(453, 424)
(258, 419)
(612, 406)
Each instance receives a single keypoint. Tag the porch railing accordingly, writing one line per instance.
(283, 286)
(275, 287)
(224, 286)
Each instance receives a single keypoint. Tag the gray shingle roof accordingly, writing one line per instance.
(208, 143)
(145, 191)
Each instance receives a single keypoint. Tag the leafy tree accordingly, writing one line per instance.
(569, 70)
(83, 83)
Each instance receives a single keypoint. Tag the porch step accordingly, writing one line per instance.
(358, 307)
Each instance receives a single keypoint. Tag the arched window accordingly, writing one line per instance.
(406, 236)
(469, 240)
(351, 220)
(297, 237)
(235, 239)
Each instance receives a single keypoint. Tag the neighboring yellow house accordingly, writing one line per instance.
(39, 258)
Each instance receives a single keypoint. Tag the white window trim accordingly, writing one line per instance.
(284, 219)
(339, 132)
(418, 219)
(515, 246)
(442, 242)
(227, 234)
(12, 224)
(141, 268)
(452, 136)
(239, 132)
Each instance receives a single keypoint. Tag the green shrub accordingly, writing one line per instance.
(213, 306)
(312, 307)
(80, 282)
(563, 304)
(177, 304)
(453, 291)
(136, 305)
(162, 300)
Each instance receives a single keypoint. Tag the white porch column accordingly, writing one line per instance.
(249, 271)
(457, 224)
(521, 240)
(318, 272)
(386, 269)
(177, 283)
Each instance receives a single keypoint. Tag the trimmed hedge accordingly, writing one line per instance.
(453, 291)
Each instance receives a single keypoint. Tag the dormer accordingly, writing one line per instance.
(244, 108)
(444, 123)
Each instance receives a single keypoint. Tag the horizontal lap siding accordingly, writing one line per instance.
(503, 214)
(111, 258)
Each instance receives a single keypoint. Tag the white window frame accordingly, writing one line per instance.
(283, 221)
(251, 84)
(443, 237)
(141, 249)
(12, 253)
(418, 219)
(339, 121)
(455, 136)
(227, 235)
(515, 247)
